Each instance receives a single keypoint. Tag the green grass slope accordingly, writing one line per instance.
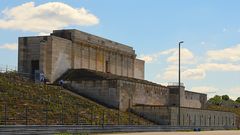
(24, 102)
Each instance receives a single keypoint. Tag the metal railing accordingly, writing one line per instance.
(7, 68)
(45, 115)
(175, 84)
(22, 107)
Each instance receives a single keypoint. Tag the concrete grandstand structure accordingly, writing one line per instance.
(109, 73)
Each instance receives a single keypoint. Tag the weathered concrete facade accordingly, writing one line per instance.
(49, 54)
(109, 73)
(188, 116)
(188, 98)
(153, 102)
(102, 91)
(122, 94)
(73, 49)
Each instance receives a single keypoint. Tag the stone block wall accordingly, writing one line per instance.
(200, 117)
(93, 58)
(82, 50)
(61, 57)
(194, 100)
(188, 99)
(30, 51)
(157, 114)
(53, 55)
(134, 93)
(122, 94)
(188, 116)
(139, 69)
(102, 91)
(79, 36)
(96, 53)
(174, 95)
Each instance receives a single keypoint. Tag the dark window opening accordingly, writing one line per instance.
(34, 68)
(107, 67)
(25, 41)
(45, 38)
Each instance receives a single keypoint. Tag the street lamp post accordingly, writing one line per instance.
(179, 80)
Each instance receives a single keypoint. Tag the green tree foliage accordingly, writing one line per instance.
(216, 100)
(225, 97)
(238, 100)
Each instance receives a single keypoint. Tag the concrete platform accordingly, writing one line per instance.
(232, 132)
(76, 129)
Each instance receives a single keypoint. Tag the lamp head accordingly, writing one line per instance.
(181, 42)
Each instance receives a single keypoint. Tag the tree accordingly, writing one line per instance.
(238, 100)
(216, 100)
(225, 97)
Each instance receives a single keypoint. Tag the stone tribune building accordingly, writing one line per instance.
(109, 73)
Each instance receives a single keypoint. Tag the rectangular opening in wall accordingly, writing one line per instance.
(25, 41)
(34, 68)
(107, 67)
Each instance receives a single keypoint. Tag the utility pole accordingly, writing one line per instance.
(179, 80)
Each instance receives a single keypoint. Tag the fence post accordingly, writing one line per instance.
(118, 117)
(26, 114)
(106, 117)
(62, 115)
(77, 116)
(5, 114)
(129, 117)
(91, 115)
(138, 120)
(103, 118)
(46, 114)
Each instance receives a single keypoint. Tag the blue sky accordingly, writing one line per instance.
(210, 30)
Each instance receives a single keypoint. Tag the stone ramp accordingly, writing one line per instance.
(74, 129)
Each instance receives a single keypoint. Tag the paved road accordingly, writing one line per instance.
(233, 132)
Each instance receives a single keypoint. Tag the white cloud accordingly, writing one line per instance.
(235, 92)
(171, 73)
(150, 58)
(203, 43)
(43, 34)
(169, 51)
(209, 90)
(224, 29)
(147, 58)
(194, 74)
(219, 67)
(187, 56)
(197, 73)
(205, 89)
(224, 60)
(212, 91)
(46, 17)
(12, 46)
(229, 54)
(200, 70)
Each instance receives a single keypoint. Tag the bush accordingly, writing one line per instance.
(238, 100)
(225, 97)
(216, 100)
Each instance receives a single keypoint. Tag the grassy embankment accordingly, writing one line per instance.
(21, 97)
